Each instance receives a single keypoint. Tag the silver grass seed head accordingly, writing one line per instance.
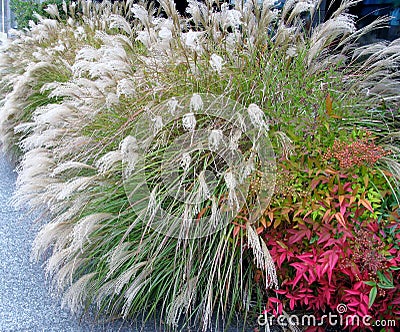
(189, 121)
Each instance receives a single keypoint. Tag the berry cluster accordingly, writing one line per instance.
(357, 153)
(367, 256)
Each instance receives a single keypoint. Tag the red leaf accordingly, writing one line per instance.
(315, 182)
(311, 277)
(341, 199)
(328, 105)
(326, 216)
(366, 204)
(323, 238)
(299, 275)
(333, 259)
(281, 259)
(318, 269)
(292, 303)
(339, 217)
(236, 231)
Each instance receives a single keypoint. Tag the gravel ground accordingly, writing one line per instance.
(26, 304)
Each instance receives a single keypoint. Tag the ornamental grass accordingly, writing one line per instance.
(295, 173)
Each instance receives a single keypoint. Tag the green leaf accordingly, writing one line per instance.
(394, 268)
(372, 296)
(384, 279)
(370, 283)
(314, 239)
(384, 286)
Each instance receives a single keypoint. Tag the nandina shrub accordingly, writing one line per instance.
(337, 239)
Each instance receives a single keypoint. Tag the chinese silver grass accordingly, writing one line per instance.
(262, 257)
(198, 12)
(216, 62)
(74, 297)
(285, 143)
(185, 161)
(181, 302)
(234, 138)
(215, 217)
(17, 100)
(138, 283)
(50, 234)
(157, 124)
(130, 154)
(84, 227)
(247, 168)
(299, 8)
(142, 15)
(153, 205)
(52, 10)
(70, 165)
(33, 177)
(75, 185)
(339, 26)
(72, 145)
(48, 138)
(377, 69)
(131, 273)
(186, 220)
(119, 256)
(61, 115)
(108, 161)
(196, 103)
(64, 277)
(215, 138)
(257, 116)
(203, 191)
(231, 184)
(119, 22)
(189, 121)
(288, 7)
(271, 279)
(126, 87)
(57, 259)
(69, 211)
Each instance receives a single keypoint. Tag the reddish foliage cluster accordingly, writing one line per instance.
(360, 152)
(325, 262)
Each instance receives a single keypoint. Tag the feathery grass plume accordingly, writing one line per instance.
(181, 302)
(285, 143)
(74, 185)
(47, 236)
(84, 227)
(106, 162)
(75, 296)
(262, 257)
(68, 165)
